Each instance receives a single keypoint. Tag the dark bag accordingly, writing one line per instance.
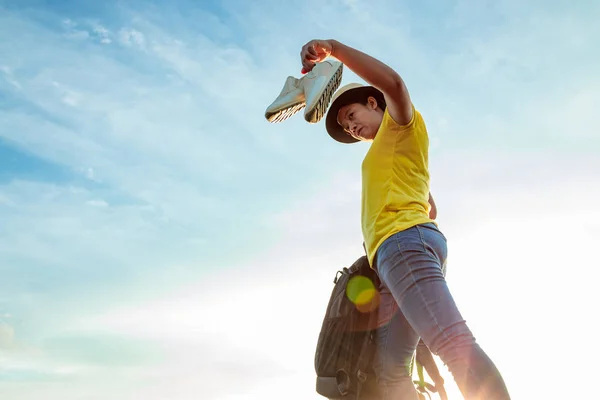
(346, 345)
(346, 342)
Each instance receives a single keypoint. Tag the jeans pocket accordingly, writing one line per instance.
(434, 242)
(409, 240)
(434, 228)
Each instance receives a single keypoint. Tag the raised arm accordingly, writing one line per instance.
(373, 71)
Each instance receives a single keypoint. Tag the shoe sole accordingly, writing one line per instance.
(318, 112)
(284, 113)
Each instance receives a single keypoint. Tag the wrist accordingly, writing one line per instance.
(334, 45)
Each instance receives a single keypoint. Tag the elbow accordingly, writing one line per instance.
(433, 213)
(397, 81)
(395, 88)
(397, 84)
(432, 208)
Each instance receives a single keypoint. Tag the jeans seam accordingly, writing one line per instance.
(422, 239)
(435, 256)
(416, 285)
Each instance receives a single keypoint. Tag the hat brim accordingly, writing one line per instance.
(355, 95)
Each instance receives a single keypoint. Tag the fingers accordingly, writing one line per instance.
(306, 69)
(308, 57)
(307, 65)
(312, 53)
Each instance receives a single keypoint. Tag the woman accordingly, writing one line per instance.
(403, 244)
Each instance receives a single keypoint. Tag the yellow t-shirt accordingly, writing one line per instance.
(395, 181)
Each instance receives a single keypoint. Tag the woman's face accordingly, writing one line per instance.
(361, 121)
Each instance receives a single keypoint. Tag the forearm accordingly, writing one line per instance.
(373, 71)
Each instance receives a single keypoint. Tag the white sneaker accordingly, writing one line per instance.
(313, 92)
(319, 86)
(291, 99)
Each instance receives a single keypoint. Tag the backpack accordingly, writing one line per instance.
(346, 344)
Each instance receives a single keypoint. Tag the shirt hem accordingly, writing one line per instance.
(392, 232)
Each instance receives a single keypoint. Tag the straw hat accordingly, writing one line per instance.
(348, 94)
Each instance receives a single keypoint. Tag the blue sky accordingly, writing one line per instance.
(157, 233)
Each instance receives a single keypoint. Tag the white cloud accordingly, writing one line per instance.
(97, 203)
(130, 37)
(90, 174)
(8, 76)
(72, 32)
(102, 33)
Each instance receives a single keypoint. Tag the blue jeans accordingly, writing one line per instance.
(416, 303)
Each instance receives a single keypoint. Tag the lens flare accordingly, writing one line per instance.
(362, 293)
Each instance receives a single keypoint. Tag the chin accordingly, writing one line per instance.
(369, 137)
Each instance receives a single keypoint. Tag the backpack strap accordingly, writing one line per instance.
(367, 350)
(424, 360)
(365, 358)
